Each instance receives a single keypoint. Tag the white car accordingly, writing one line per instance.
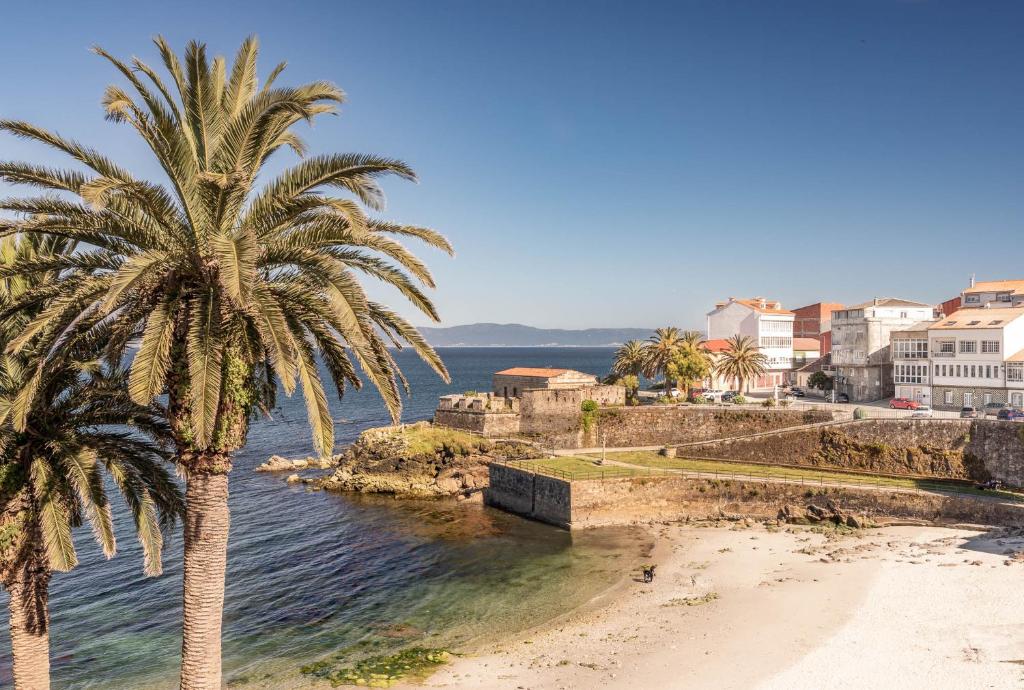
(713, 395)
(675, 393)
(921, 411)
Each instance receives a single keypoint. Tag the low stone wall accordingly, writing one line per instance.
(531, 495)
(639, 500)
(667, 424)
(953, 449)
(490, 424)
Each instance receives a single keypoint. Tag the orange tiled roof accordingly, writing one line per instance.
(539, 372)
(1016, 357)
(978, 318)
(716, 345)
(997, 286)
(771, 306)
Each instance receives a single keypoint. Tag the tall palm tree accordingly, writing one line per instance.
(741, 361)
(235, 275)
(56, 446)
(660, 350)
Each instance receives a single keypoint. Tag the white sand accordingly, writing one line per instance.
(893, 608)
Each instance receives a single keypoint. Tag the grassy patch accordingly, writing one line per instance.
(583, 467)
(380, 671)
(651, 459)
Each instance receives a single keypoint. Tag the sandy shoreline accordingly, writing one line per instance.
(738, 606)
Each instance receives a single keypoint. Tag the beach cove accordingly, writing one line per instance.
(743, 605)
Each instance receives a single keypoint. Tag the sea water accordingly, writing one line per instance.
(319, 575)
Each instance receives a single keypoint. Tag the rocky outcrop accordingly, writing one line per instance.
(419, 460)
(276, 463)
(830, 512)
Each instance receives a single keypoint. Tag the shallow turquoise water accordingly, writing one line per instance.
(312, 574)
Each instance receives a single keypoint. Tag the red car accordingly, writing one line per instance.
(904, 404)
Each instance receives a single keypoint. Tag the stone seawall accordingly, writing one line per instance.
(954, 449)
(639, 500)
(531, 495)
(486, 423)
(668, 424)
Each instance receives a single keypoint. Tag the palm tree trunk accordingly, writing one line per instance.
(28, 585)
(206, 554)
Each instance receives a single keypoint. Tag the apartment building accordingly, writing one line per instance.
(996, 293)
(911, 366)
(861, 354)
(977, 356)
(767, 324)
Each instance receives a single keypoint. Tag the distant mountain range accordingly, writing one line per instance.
(518, 335)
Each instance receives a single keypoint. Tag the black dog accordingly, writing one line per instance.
(649, 574)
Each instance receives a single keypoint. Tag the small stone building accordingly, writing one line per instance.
(510, 383)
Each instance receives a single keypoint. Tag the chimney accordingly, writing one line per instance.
(876, 301)
(762, 302)
(972, 280)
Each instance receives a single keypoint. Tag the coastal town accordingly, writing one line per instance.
(500, 381)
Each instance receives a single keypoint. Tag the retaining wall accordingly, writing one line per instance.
(954, 449)
(531, 495)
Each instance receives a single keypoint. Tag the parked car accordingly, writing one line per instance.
(674, 393)
(713, 395)
(729, 395)
(797, 392)
(842, 398)
(904, 404)
(921, 411)
(968, 412)
(1010, 414)
(990, 485)
(993, 409)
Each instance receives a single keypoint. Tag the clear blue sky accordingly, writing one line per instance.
(624, 164)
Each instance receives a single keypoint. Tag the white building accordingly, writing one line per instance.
(861, 357)
(997, 293)
(977, 357)
(911, 367)
(767, 324)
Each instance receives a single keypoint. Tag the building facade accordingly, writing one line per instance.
(766, 323)
(977, 357)
(911, 365)
(813, 321)
(861, 355)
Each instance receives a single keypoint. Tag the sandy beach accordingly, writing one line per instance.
(748, 606)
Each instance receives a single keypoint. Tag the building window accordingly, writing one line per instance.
(988, 371)
(988, 398)
(973, 375)
(968, 347)
(958, 370)
(968, 399)
(948, 397)
(989, 346)
(1014, 371)
(972, 299)
(947, 347)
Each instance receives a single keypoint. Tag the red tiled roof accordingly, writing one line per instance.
(716, 345)
(538, 372)
(1014, 286)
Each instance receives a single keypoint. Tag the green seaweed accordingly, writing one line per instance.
(381, 671)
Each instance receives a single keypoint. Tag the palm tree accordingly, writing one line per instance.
(235, 276)
(56, 445)
(741, 361)
(692, 339)
(660, 349)
(630, 359)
